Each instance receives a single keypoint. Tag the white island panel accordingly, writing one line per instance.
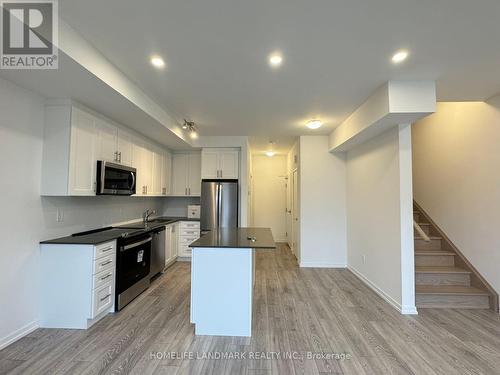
(221, 291)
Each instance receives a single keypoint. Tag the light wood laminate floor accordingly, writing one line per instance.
(296, 311)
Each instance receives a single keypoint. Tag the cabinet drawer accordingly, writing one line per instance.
(102, 299)
(104, 263)
(189, 232)
(104, 249)
(184, 251)
(101, 278)
(190, 224)
(185, 241)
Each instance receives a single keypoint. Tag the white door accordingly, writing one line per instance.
(289, 220)
(82, 168)
(209, 164)
(168, 244)
(137, 155)
(106, 141)
(295, 216)
(229, 164)
(166, 173)
(148, 168)
(124, 147)
(156, 187)
(194, 177)
(179, 174)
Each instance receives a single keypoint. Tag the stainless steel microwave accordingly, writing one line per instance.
(115, 179)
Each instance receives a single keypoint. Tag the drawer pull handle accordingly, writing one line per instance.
(105, 297)
(107, 276)
(107, 249)
(108, 262)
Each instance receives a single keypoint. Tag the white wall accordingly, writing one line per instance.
(27, 218)
(269, 194)
(322, 185)
(379, 216)
(456, 178)
(177, 206)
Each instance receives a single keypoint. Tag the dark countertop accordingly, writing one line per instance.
(112, 233)
(237, 238)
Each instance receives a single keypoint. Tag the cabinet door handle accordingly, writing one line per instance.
(120, 156)
(189, 191)
(107, 276)
(108, 262)
(105, 297)
(116, 156)
(106, 249)
(186, 191)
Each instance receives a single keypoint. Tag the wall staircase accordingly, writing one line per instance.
(443, 276)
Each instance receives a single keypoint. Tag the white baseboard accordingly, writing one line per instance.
(406, 310)
(322, 265)
(16, 335)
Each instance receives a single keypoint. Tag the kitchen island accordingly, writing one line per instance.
(222, 279)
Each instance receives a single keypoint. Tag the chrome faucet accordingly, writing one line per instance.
(147, 214)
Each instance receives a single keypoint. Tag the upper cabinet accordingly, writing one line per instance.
(186, 174)
(113, 143)
(75, 138)
(220, 163)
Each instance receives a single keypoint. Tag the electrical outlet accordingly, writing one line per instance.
(59, 216)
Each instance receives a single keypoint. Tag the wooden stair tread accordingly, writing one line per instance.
(434, 252)
(440, 269)
(430, 237)
(450, 290)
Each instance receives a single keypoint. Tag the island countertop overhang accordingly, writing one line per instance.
(236, 238)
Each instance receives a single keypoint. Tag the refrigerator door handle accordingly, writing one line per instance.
(220, 206)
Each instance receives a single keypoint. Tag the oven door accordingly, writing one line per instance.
(133, 262)
(115, 179)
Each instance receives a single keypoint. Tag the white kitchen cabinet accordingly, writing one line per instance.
(82, 162)
(220, 163)
(156, 172)
(143, 162)
(170, 245)
(166, 173)
(77, 284)
(75, 138)
(124, 147)
(186, 174)
(113, 143)
(187, 232)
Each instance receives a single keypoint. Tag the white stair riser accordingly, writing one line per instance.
(433, 244)
(434, 260)
(462, 279)
(452, 301)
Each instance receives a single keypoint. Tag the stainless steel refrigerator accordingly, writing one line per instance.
(219, 204)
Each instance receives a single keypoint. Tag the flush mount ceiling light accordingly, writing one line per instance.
(270, 152)
(157, 62)
(275, 60)
(314, 124)
(399, 56)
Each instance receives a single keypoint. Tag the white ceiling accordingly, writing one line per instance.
(336, 53)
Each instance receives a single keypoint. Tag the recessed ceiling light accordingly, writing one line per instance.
(275, 60)
(314, 124)
(270, 153)
(157, 62)
(399, 56)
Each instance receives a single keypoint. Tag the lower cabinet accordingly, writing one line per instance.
(78, 284)
(187, 232)
(170, 245)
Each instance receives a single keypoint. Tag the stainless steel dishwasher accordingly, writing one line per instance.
(157, 251)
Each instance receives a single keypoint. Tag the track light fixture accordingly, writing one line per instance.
(191, 128)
